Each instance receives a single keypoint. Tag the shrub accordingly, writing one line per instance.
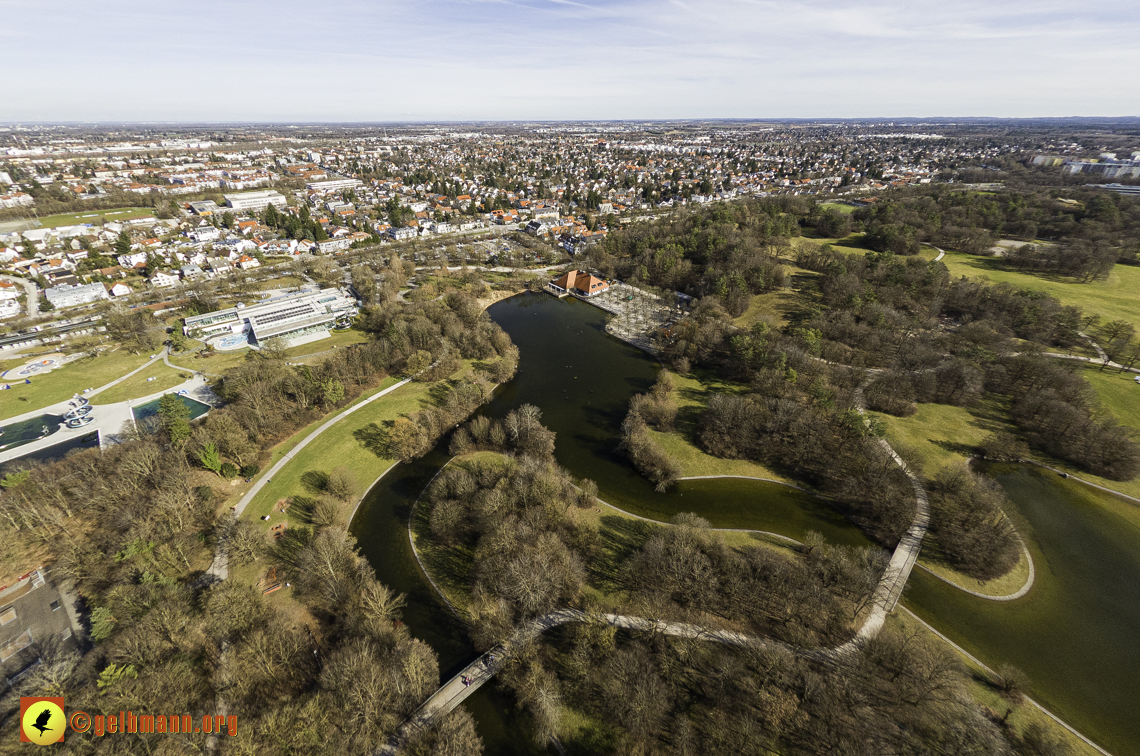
(229, 470)
(342, 484)
(248, 471)
(205, 494)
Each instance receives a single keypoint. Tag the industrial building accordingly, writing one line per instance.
(297, 318)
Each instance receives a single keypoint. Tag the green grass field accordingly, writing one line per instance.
(692, 393)
(93, 216)
(1114, 298)
(1119, 394)
(138, 386)
(339, 447)
(220, 362)
(843, 208)
(67, 381)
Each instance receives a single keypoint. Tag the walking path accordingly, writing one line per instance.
(219, 568)
(886, 596)
(32, 303)
(109, 418)
(1024, 589)
(62, 407)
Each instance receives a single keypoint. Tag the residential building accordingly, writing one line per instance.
(120, 290)
(69, 296)
(164, 279)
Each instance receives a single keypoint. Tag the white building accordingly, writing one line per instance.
(297, 318)
(335, 185)
(69, 296)
(9, 308)
(120, 290)
(255, 200)
(163, 279)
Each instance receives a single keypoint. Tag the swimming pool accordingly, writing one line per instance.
(236, 341)
(27, 431)
(150, 409)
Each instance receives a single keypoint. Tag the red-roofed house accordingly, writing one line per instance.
(580, 282)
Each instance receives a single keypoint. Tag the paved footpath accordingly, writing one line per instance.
(220, 566)
(452, 693)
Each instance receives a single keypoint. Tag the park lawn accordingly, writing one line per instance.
(217, 364)
(985, 694)
(92, 216)
(137, 385)
(1116, 297)
(63, 383)
(337, 447)
(1010, 582)
(938, 435)
(1119, 394)
(335, 340)
(852, 244)
(284, 282)
(692, 392)
(843, 208)
(220, 362)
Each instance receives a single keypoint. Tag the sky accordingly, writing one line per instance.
(458, 60)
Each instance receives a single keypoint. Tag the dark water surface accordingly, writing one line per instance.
(582, 379)
(1075, 634)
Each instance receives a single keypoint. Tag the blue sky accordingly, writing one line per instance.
(341, 60)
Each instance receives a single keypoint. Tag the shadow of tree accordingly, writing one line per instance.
(374, 438)
(290, 544)
(301, 509)
(966, 450)
(315, 480)
(618, 539)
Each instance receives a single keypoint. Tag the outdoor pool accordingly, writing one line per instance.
(150, 409)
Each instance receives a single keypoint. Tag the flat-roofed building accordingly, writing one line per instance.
(255, 200)
(297, 318)
(69, 296)
(335, 185)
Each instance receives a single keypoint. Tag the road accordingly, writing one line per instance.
(33, 292)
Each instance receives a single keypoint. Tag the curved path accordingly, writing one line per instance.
(1029, 580)
(32, 304)
(219, 568)
(886, 596)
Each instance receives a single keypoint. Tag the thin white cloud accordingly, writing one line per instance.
(565, 59)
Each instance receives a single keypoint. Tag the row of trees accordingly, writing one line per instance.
(1093, 229)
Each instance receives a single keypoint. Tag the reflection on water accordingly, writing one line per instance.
(582, 379)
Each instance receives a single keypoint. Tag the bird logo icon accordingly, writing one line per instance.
(42, 720)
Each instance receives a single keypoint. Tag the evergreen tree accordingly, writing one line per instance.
(174, 417)
(123, 243)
